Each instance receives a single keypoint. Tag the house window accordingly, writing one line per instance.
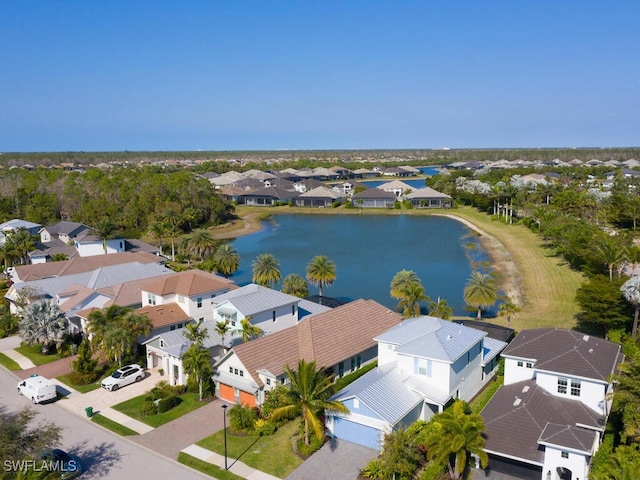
(242, 373)
(181, 298)
(575, 388)
(273, 315)
(565, 454)
(151, 299)
(161, 343)
(201, 319)
(424, 367)
(341, 369)
(121, 245)
(173, 327)
(235, 371)
(529, 365)
(180, 325)
(520, 363)
(230, 369)
(356, 403)
(268, 381)
(562, 385)
(199, 302)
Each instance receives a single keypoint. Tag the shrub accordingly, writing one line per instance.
(149, 408)
(242, 418)
(179, 389)
(166, 404)
(77, 378)
(265, 427)
(315, 444)
(374, 470)
(274, 399)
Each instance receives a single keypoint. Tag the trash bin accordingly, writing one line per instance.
(89, 411)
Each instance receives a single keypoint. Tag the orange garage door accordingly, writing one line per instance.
(247, 399)
(226, 393)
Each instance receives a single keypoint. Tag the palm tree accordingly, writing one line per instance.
(8, 254)
(222, 328)
(114, 342)
(308, 396)
(195, 334)
(401, 280)
(173, 219)
(266, 270)
(201, 243)
(440, 309)
(409, 304)
(622, 464)
(226, 260)
(43, 322)
(481, 291)
(610, 252)
(104, 230)
(631, 292)
(197, 361)
(136, 326)
(116, 330)
(295, 285)
(457, 433)
(509, 309)
(158, 230)
(321, 271)
(22, 242)
(249, 330)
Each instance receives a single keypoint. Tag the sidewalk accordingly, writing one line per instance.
(236, 467)
(7, 346)
(125, 420)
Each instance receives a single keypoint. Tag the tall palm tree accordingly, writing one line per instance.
(136, 326)
(105, 230)
(8, 255)
(308, 396)
(249, 330)
(631, 292)
(43, 322)
(158, 230)
(195, 334)
(509, 309)
(409, 304)
(266, 270)
(610, 252)
(201, 243)
(401, 281)
(197, 361)
(222, 328)
(457, 433)
(440, 309)
(173, 220)
(481, 291)
(321, 271)
(226, 260)
(294, 284)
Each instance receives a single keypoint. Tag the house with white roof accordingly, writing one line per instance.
(424, 364)
(547, 420)
(7, 228)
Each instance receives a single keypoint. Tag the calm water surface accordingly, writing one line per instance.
(368, 251)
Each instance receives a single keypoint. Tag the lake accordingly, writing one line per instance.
(368, 251)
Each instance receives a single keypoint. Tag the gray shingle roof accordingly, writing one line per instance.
(568, 437)
(566, 351)
(430, 337)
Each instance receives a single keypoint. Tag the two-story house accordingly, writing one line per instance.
(339, 339)
(547, 420)
(424, 364)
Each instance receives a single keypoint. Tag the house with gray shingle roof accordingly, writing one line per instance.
(548, 418)
(429, 198)
(424, 364)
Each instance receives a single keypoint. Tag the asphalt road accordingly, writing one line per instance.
(104, 454)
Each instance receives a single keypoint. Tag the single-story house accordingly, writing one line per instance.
(429, 198)
(322, 197)
(373, 198)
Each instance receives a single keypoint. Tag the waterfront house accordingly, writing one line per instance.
(321, 197)
(373, 198)
(429, 198)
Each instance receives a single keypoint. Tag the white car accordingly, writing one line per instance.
(122, 377)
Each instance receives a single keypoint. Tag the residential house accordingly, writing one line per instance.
(267, 196)
(429, 198)
(424, 364)
(340, 339)
(396, 187)
(321, 197)
(7, 228)
(373, 198)
(66, 232)
(547, 420)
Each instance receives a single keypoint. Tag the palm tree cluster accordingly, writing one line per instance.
(43, 323)
(197, 359)
(16, 247)
(115, 330)
(407, 287)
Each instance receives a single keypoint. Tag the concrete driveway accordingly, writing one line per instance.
(337, 460)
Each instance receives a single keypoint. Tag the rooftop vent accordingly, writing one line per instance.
(591, 350)
(517, 402)
(525, 389)
(449, 337)
(585, 338)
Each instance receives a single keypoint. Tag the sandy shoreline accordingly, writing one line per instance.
(509, 278)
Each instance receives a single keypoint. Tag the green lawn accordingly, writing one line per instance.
(113, 426)
(133, 407)
(480, 400)
(36, 357)
(270, 454)
(8, 363)
(80, 388)
(206, 467)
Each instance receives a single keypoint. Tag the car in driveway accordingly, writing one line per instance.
(57, 463)
(122, 377)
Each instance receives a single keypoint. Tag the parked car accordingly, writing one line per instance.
(38, 388)
(122, 377)
(55, 460)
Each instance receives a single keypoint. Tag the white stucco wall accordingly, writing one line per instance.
(591, 394)
(577, 462)
(514, 374)
(90, 249)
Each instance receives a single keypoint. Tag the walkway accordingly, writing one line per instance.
(236, 467)
(7, 346)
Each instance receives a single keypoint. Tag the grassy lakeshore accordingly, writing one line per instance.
(542, 284)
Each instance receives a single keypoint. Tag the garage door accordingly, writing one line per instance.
(226, 393)
(356, 433)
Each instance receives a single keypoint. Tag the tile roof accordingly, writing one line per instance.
(188, 283)
(566, 351)
(81, 265)
(431, 337)
(163, 315)
(328, 338)
(396, 184)
(518, 414)
(374, 193)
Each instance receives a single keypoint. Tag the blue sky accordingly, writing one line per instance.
(241, 75)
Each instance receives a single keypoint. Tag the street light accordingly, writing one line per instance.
(224, 420)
